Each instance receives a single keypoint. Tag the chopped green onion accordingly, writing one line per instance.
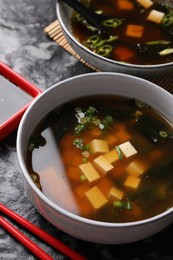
(79, 143)
(123, 204)
(77, 18)
(120, 154)
(79, 129)
(167, 20)
(163, 134)
(91, 110)
(104, 50)
(84, 159)
(106, 122)
(166, 52)
(98, 45)
(159, 42)
(82, 178)
(92, 41)
(114, 23)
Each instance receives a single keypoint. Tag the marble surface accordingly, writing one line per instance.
(25, 48)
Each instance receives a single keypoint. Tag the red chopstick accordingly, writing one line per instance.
(37, 251)
(38, 232)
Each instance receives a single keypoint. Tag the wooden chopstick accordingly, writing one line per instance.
(52, 241)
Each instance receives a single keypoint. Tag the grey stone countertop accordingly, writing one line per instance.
(26, 49)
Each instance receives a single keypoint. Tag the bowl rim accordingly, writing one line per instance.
(113, 62)
(43, 197)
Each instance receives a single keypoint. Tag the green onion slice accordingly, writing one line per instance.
(166, 52)
(113, 23)
(120, 154)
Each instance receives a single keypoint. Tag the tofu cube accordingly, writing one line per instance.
(136, 168)
(96, 197)
(132, 182)
(134, 30)
(116, 193)
(155, 16)
(89, 171)
(99, 146)
(125, 5)
(111, 156)
(145, 3)
(127, 149)
(103, 164)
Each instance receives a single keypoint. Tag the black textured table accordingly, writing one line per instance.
(25, 48)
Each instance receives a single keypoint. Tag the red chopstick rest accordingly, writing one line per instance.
(16, 94)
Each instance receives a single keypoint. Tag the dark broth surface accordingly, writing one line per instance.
(139, 40)
(134, 181)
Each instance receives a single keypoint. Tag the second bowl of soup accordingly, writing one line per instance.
(138, 39)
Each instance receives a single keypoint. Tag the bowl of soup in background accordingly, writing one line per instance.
(86, 86)
(82, 41)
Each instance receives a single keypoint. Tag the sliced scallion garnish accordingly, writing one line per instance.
(166, 52)
(120, 154)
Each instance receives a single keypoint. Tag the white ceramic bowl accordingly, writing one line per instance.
(101, 63)
(80, 86)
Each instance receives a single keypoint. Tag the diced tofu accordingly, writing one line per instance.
(136, 168)
(127, 149)
(155, 16)
(132, 182)
(89, 171)
(96, 197)
(134, 30)
(125, 5)
(99, 146)
(145, 3)
(111, 156)
(116, 193)
(103, 164)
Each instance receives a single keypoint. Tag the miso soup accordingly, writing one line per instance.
(106, 158)
(137, 31)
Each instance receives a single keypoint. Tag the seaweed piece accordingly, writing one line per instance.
(36, 142)
(151, 128)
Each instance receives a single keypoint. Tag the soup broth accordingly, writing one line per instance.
(138, 31)
(106, 158)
